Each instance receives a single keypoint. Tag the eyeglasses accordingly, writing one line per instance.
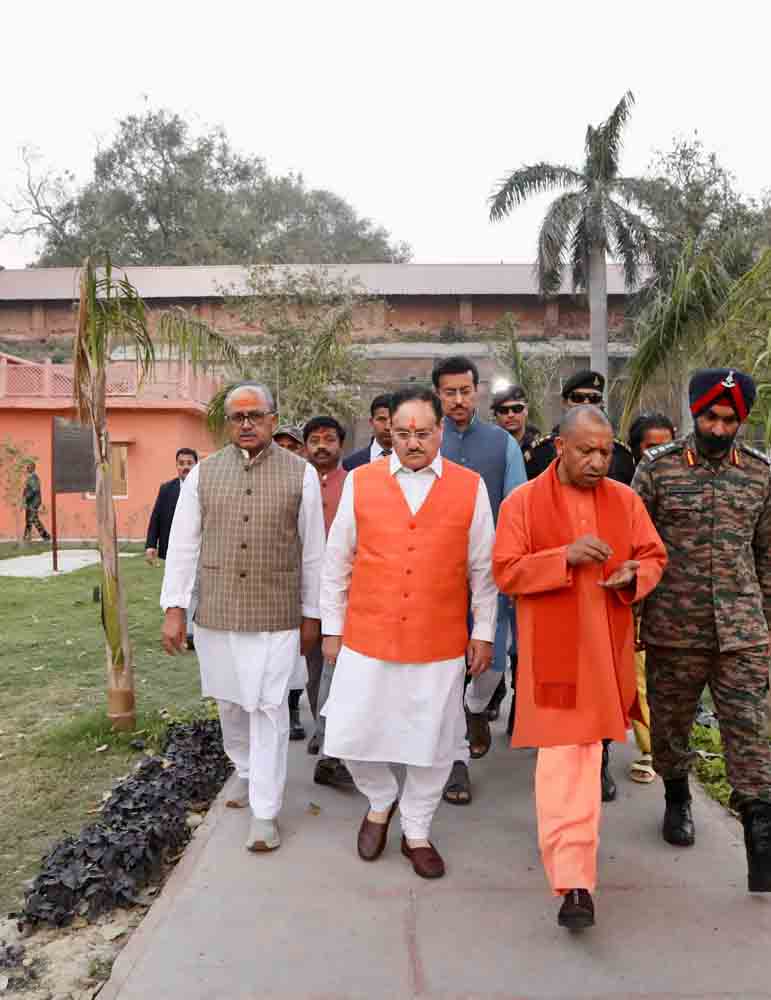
(512, 408)
(465, 393)
(591, 398)
(404, 437)
(253, 416)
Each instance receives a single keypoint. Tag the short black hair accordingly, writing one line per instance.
(186, 451)
(317, 423)
(515, 392)
(458, 364)
(417, 394)
(381, 402)
(647, 422)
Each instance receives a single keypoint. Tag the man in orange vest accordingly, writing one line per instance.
(407, 555)
(577, 550)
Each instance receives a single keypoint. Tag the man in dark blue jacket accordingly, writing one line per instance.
(380, 443)
(159, 529)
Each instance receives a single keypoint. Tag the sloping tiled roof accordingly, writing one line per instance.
(60, 283)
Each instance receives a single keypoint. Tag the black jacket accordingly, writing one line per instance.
(357, 458)
(163, 514)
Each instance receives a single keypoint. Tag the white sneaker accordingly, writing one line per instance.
(239, 797)
(263, 835)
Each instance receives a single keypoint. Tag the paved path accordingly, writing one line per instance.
(41, 564)
(313, 922)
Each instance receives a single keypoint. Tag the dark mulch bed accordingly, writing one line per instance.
(142, 828)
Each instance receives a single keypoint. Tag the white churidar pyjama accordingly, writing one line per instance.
(421, 794)
(249, 674)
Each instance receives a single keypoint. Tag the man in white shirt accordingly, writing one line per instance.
(409, 550)
(252, 512)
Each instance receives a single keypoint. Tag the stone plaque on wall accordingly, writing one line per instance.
(73, 458)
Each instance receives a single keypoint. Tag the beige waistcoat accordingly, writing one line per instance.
(250, 562)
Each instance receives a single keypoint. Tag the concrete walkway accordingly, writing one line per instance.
(313, 921)
(40, 564)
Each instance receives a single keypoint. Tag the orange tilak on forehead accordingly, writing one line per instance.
(412, 425)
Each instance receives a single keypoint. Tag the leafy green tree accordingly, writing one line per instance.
(161, 194)
(305, 351)
(708, 238)
(592, 218)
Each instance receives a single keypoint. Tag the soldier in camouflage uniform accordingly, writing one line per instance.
(707, 622)
(31, 499)
(583, 388)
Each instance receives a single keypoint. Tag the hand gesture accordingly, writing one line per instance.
(330, 648)
(479, 656)
(310, 633)
(623, 577)
(174, 631)
(588, 548)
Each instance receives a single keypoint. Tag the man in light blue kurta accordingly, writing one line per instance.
(496, 456)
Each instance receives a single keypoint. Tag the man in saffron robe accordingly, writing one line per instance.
(577, 550)
(409, 551)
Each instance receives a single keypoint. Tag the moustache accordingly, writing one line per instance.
(321, 453)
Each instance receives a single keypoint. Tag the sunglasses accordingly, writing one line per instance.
(512, 408)
(592, 398)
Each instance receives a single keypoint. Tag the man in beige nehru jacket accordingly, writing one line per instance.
(250, 517)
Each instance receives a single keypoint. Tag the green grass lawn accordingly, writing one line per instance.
(52, 706)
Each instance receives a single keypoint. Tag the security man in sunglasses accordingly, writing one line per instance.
(510, 410)
(582, 388)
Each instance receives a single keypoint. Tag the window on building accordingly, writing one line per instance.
(119, 472)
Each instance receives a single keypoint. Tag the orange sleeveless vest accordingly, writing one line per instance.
(409, 598)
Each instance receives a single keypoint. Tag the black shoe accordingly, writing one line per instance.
(677, 828)
(333, 772)
(577, 910)
(494, 705)
(609, 789)
(314, 745)
(756, 819)
(189, 641)
(296, 728)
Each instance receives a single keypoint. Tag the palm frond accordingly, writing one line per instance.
(554, 239)
(185, 336)
(579, 256)
(677, 318)
(603, 143)
(528, 181)
(633, 242)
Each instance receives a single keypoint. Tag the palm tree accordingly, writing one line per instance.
(591, 218)
(708, 312)
(111, 313)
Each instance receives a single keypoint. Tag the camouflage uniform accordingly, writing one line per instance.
(707, 621)
(541, 453)
(32, 499)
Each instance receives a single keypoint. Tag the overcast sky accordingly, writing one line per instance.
(410, 109)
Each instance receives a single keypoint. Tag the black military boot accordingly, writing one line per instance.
(756, 819)
(609, 789)
(678, 828)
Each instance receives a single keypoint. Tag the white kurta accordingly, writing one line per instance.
(399, 712)
(250, 669)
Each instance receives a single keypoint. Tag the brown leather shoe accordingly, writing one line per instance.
(426, 861)
(373, 836)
